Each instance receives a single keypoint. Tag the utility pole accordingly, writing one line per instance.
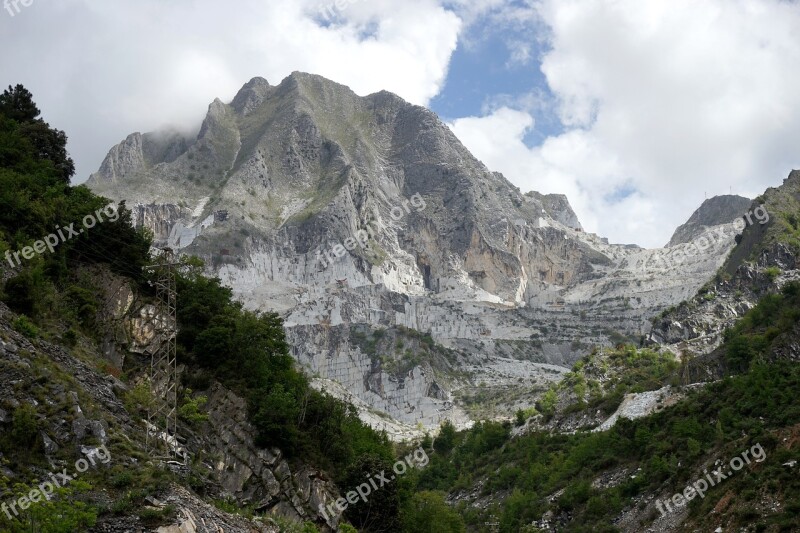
(162, 414)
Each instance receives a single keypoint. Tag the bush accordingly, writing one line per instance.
(190, 410)
(63, 513)
(25, 426)
(427, 511)
(24, 325)
(772, 273)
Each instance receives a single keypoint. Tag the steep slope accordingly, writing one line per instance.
(338, 210)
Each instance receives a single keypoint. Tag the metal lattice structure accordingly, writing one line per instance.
(162, 414)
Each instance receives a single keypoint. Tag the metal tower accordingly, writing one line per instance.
(162, 414)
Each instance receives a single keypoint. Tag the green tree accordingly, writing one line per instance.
(381, 511)
(427, 512)
(446, 439)
(17, 104)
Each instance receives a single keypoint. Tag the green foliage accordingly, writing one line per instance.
(24, 325)
(289, 526)
(65, 512)
(25, 292)
(36, 199)
(754, 336)
(191, 408)
(547, 404)
(82, 303)
(772, 273)
(625, 370)
(381, 512)
(25, 426)
(537, 465)
(152, 517)
(138, 399)
(427, 512)
(17, 104)
(445, 441)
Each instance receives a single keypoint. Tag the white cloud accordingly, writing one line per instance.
(671, 99)
(100, 70)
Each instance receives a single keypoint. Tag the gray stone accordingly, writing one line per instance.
(50, 447)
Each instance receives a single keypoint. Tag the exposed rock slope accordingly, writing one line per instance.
(279, 187)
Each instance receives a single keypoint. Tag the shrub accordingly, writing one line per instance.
(25, 426)
(190, 409)
(24, 325)
(772, 272)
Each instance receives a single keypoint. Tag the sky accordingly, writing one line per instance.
(637, 111)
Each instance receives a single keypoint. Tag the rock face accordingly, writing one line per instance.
(713, 212)
(558, 208)
(337, 211)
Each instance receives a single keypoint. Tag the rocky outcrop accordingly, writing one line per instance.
(89, 408)
(256, 477)
(558, 208)
(642, 404)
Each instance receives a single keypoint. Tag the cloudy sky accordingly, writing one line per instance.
(637, 110)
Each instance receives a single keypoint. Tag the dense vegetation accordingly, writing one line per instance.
(36, 199)
(758, 334)
(542, 472)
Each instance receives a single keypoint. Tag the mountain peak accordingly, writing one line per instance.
(251, 95)
(714, 211)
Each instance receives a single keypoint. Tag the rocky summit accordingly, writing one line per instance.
(413, 281)
(713, 212)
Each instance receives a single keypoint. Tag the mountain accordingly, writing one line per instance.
(413, 281)
(620, 442)
(713, 212)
